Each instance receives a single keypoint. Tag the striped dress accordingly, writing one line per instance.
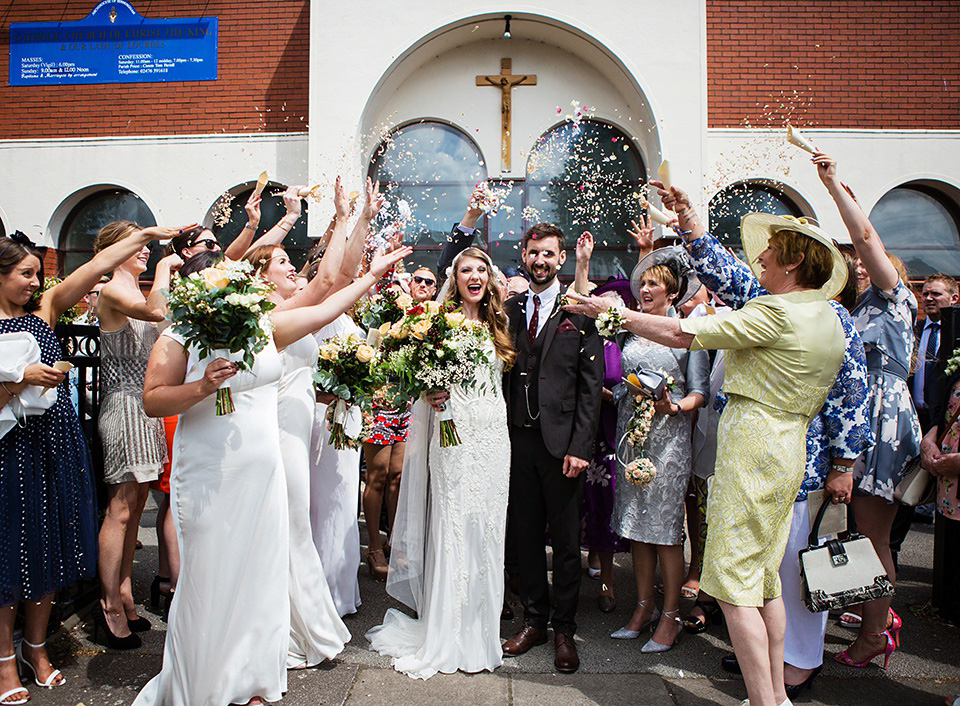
(134, 447)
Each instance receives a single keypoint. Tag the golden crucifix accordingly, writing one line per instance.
(505, 81)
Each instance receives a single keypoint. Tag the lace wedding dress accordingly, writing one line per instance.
(447, 558)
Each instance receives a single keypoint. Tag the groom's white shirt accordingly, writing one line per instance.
(547, 299)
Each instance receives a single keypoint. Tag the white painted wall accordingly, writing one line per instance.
(179, 178)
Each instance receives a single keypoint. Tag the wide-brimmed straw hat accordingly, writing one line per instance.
(677, 259)
(756, 229)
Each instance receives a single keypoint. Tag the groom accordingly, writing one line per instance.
(553, 406)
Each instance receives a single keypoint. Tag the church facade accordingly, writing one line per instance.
(565, 109)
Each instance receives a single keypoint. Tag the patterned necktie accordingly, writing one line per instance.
(535, 319)
(930, 356)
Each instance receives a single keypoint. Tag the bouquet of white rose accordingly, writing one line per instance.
(641, 471)
(221, 311)
(609, 322)
(344, 371)
(432, 345)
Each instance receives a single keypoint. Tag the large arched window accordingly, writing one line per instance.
(920, 224)
(228, 222)
(730, 205)
(585, 176)
(92, 213)
(433, 167)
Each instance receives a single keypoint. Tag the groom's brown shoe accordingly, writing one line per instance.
(566, 660)
(527, 637)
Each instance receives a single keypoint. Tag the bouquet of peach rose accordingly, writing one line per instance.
(221, 311)
(344, 371)
(431, 346)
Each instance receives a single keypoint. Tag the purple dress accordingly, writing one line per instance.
(598, 489)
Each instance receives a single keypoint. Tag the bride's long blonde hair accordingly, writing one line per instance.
(491, 306)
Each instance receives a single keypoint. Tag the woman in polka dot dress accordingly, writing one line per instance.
(48, 514)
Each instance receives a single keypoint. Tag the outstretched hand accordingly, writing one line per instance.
(291, 200)
(340, 201)
(642, 234)
(826, 168)
(586, 305)
(252, 207)
(373, 200)
(382, 262)
(162, 233)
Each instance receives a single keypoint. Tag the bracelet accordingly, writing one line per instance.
(5, 389)
(840, 468)
(249, 226)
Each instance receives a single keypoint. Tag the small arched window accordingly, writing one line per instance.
(919, 223)
(228, 221)
(730, 205)
(433, 167)
(92, 213)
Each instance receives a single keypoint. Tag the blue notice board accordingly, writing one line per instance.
(113, 44)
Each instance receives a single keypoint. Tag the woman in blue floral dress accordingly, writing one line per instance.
(884, 316)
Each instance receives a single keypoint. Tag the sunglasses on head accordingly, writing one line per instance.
(208, 243)
(424, 280)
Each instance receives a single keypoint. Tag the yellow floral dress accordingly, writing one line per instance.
(782, 356)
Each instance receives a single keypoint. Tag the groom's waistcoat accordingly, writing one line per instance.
(525, 402)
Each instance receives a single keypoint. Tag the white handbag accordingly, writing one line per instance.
(841, 572)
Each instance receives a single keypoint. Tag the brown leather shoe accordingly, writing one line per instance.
(566, 660)
(527, 637)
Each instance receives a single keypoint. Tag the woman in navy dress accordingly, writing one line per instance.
(48, 514)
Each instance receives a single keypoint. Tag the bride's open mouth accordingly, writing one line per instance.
(474, 288)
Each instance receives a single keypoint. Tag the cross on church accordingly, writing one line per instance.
(505, 81)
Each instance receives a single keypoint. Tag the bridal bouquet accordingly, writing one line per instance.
(221, 312)
(383, 308)
(641, 471)
(431, 346)
(344, 371)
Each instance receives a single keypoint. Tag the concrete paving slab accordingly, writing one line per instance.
(582, 689)
(387, 686)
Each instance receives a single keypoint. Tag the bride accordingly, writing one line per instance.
(447, 558)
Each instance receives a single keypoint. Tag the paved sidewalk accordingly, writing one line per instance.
(926, 669)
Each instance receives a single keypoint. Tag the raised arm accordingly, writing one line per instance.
(461, 237)
(274, 236)
(293, 324)
(659, 329)
(61, 297)
(581, 280)
(867, 243)
(353, 252)
(132, 304)
(241, 243)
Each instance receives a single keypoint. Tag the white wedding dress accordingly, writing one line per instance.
(316, 630)
(229, 624)
(458, 530)
(334, 490)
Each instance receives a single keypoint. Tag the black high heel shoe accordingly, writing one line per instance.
(793, 690)
(712, 615)
(130, 642)
(155, 591)
(167, 600)
(139, 624)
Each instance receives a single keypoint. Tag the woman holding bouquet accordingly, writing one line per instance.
(447, 563)
(651, 516)
(229, 629)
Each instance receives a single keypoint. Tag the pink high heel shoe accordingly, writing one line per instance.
(894, 629)
(887, 650)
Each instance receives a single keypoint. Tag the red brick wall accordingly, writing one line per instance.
(263, 67)
(838, 63)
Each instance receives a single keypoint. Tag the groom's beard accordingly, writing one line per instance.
(542, 275)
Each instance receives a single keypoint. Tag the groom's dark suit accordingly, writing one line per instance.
(553, 406)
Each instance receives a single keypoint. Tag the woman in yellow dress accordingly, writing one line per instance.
(783, 352)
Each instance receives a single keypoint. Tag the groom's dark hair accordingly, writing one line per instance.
(538, 231)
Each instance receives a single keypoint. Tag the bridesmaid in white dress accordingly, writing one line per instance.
(457, 590)
(334, 490)
(229, 629)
